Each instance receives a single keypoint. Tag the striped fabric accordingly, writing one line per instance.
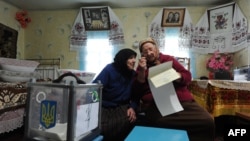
(115, 125)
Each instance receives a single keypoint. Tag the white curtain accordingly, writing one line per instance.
(201, 35)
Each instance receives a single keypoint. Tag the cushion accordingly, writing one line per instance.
(11, 64)
(13, 76)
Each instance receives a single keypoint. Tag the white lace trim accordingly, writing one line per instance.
(202, 83)
(226, 84)
(11, 120)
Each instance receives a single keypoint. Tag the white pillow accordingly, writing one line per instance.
(11, 64)
(13, 76)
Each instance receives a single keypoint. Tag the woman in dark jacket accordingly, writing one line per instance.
(117, 116)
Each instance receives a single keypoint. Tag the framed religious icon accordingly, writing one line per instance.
(221, 19)
(96, 18)
(172, 17)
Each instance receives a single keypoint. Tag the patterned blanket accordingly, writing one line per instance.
(12, 96)
(221, 97)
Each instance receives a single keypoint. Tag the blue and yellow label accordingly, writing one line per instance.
(48, 113)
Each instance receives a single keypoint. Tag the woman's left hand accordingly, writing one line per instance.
(131, 115)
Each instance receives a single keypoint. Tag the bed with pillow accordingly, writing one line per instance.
(14, 75)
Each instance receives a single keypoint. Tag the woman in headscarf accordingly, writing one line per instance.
(117, 114)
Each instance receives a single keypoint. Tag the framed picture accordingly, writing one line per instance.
(96, 18)
(221, 19)
(173, 17)
(8, 41)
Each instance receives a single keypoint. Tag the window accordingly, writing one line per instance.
(172, 45)
(172, 48)
(96, 55)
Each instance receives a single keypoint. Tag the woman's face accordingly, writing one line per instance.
(150, 51)
(131, 62)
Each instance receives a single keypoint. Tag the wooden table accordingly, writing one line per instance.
(222, 97)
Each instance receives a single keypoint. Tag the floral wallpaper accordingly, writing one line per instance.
(47, 35)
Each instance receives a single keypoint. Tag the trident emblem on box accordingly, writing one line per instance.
(48, 114)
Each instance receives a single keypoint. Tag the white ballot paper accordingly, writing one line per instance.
(160, 81)
(87, 118)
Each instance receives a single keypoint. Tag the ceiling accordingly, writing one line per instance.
(74, 4)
